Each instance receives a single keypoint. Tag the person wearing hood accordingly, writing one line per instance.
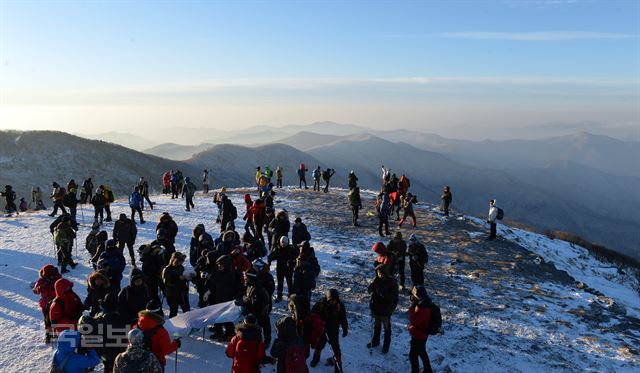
(384, 300)
(492, 219)
(288, 343)
(258, 215)
(124, 233)
(253, 248)
(136, 358)
(66, 308)
(248, 215)
(419, 325)
(45, 288)
(200, 242)
(67, 356)
(136, 203)
(175, 284)
(188, 191)
(152, 258)
(384, 256)
(98, 201)
(305, 272)
(134, 297)
(228, 213)
(150, 322)
(111, 330)
(224, 286)
(112, 262)
(332, 312)
(98, 286)
(279, 226)
(247, 348)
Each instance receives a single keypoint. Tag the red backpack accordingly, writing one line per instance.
(314, 329)
(295, 360)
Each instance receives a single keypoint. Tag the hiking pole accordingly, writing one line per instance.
(176, 362)
(337, 364)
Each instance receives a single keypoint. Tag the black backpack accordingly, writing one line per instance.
(234, 212)
(500, 215)
(435, 320)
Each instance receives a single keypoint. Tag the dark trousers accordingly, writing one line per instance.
(446, 210)
(249, 228)
(303, 180)
(98, 211)
(333, 339)
(190, 204)
(57, 204)
(72, 211)
(417, 276)
(383, 221)
(265, 323)
(278, 183)
(316, 185)
(129, 245)
(178, 300)
(417, 350)
(354, 215)
(133, 214)
(326, 187)
(492, 230)
(11, 206)
(107, 209)
(174, 191)
(380, 322)
(146, 197)
(283, 272)
(64, 255)
(205, 188)
(401, 262)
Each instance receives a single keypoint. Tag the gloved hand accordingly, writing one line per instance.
(178, 342)
(345, 332)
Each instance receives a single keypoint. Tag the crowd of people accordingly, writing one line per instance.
(227, 266)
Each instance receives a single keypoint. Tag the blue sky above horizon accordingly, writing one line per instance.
(411, 64)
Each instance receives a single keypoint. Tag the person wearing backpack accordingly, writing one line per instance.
(421, 313)
(309, 325)
(247, 348)
(152, 258)
(403, 185)
(63, 235)
(57, 194)
(355, 202)
(279, 226)
(258, 215)
(383, 210)
(124, 233)
(406, 202)
(228, 213)
(143, 187)
(66, 308)
(384, 300)
(316, 179)
(176, 285)
(299, 232)
(332, 312)
(188, 191)
(284, 255)
(136, 204)
(115, 264)
(67, 357)
(288, 348)
(111, 330)
(326, 176)
(305, 272)
(492, 219)
(134, 297)
(257, 302)
(398, 248)
(418, 258)
(87, 191)
(302, 175)
(45, 288)
(445, 200)
(136, 359)
(166, 223)
(70, 200)
(109, 198)
(98, 201)
(156, 337)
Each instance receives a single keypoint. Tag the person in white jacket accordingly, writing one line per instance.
(386, 175)
(492, 219)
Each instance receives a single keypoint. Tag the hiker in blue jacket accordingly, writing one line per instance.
(68, 359)
(136, 203)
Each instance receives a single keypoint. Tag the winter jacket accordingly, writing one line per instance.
(205, 178)
(109, 320)
(166, 179)
(446, 198)
(68, 341)
(334, 316)
(287, 337)
(224, 284)
(143, 187)
(493, 214)
(305, 272)
(133, 299)
(45, 284)
(227, 211)
(419, 320)
(257, 212)
(397, 247)
(98, 201)
(279, 226)
(403, 185)
(66, 308)
(109, 196)
(152, 258)
(383, 205)
(246, 349)
(418, 256)
(257, 300)
(198, 245)
(352, 181)
(87, 186)
(161, 344)
(189, 189)
(299, 234)
(95, 292)
(384, 296)
(170, 227)
(125, 231)
(354, 198)
(116, 265)
(174, 285)
(279, 173)
(137, 359)
(136, 200)
(70, 199)
(384, 256)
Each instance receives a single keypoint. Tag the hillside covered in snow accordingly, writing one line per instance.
(522, 303)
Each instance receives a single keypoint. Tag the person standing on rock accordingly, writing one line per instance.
(302, 175)
(356, 204)
(205, 182)
(316, 179)
(445, 200)
(326, 176)
(279, 177)
(492, 219)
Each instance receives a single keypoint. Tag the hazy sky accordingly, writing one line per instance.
(135, 66)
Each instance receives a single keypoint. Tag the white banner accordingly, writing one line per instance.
(192, 321)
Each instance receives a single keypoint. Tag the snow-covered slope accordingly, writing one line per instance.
(522, 303)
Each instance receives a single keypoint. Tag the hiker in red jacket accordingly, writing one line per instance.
(384, 256)
(248, 216)
(247, 348)
(45, 288)
(419, 323)
(66, 308)
(150, 322)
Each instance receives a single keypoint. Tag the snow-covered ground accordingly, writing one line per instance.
(522, 303)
